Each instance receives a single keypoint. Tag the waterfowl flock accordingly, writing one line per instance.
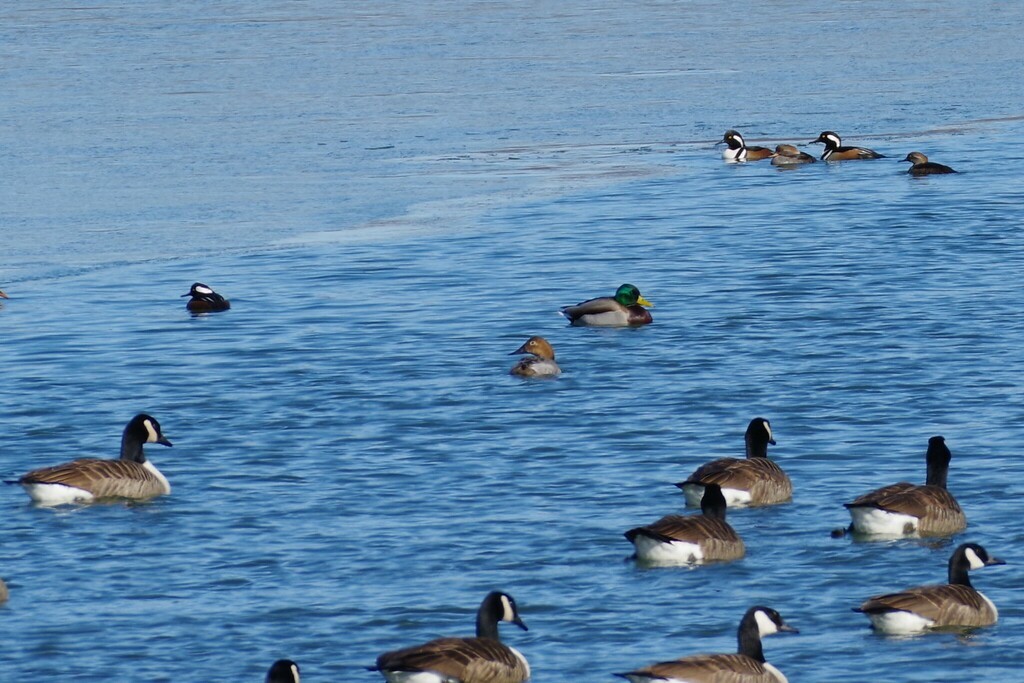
(787, 155)
(892, 511)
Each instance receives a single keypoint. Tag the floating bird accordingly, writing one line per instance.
(835, 151)
(906, 509)
(747, 666)
(205, 300)
(3, 296)
(4, 593)
(624, 309)
(788, 155)
(955, 604)
(89, 479)
(539, 363)
(921, 166)
(693, 539)
(754, 481)
(737, 150)
(283, 671)
(484, 659)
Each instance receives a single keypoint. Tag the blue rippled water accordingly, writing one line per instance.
(394, 197)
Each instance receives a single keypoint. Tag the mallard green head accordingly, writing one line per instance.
(628, 295)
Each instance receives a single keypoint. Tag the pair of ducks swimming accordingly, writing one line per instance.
(625, 309)
(788, 155)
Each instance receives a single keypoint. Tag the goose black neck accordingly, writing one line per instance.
(487, 620)
(757, 445)
(131, 446)
(938, 458)
(712, 504)
(959, 568)
(749, 637)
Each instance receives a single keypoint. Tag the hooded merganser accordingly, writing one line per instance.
(204, 299)
(788, 155)
(921, 165)
(737, 150)
(835, 151)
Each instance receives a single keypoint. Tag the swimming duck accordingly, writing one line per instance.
(283, 671)
(746, 666)
(788, 155)
(693, 539)
(737, 150)
(921, 166)
(204, 299)
(904, 508)
(626, 308)
(754, 481)
(88, 479)
(484, 659)
(956, 603)
(835, 151)
(540, 362)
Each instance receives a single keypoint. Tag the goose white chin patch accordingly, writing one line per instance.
(765, 625)
(153, 436)
(510, 614)
(973, 558)
(768, 428)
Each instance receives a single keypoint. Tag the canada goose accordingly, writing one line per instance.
(747, 666)
(754, 481)
(205, 300)
(283, 671)
(903, 508)
(624, 309)
(539, 363)
(693, 539)
(88, 479)
(483, 659)
(956, 603)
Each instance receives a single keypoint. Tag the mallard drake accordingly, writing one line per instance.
(624, 309)
(88, 479)
(953, 604)
(905, 508)
(484, 659)
(753, 481)
(205, 300)
(747, 665)
(921, 166)
(693, 539)
(539, 363)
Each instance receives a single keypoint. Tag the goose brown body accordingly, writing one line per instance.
(132, 476)
(748, 665)
(954, 604)
(905, 508)
(755, 480)
(483, 659)
(693, 538)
